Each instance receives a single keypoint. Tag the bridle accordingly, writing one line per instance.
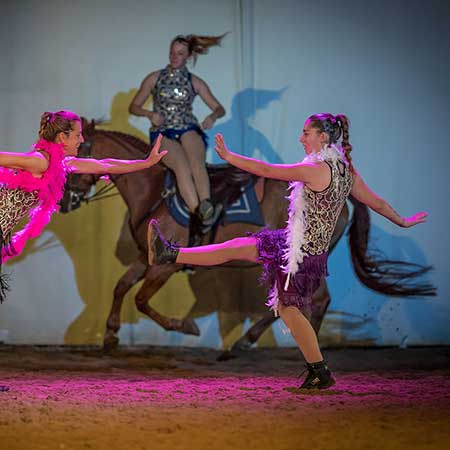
(73, 196)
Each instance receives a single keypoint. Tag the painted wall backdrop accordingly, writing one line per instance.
(385, 64)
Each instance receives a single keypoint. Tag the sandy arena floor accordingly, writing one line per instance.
(174, 398)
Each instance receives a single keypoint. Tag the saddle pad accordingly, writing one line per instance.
(245, 209)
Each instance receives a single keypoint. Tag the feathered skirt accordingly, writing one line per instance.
(299, 292)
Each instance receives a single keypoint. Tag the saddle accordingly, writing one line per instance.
(230, 186)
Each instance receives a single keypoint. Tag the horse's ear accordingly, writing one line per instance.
(84, 123)
(88, 127)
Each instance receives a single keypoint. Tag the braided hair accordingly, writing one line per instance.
(53, 123)
(336, 127)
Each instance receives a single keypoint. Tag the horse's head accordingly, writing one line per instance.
(100, 144)
(76, 191)
(78, 186)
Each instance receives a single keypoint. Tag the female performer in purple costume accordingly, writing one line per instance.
(32, 183)
(174, 89)
(295, 258)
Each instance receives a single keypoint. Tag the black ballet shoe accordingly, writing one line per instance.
(319, 376)
(160, 250)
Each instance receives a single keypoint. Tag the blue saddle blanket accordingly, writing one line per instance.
(245, 209)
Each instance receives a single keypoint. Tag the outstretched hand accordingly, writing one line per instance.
(220, 148)
(419, 217)
(156, 155)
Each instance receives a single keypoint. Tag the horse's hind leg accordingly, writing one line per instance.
(134, 274)
(254, 332)
(155, 277)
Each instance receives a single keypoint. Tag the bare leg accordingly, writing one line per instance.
(243, 249)
(177, 161)
(196, 154)
(302, 332)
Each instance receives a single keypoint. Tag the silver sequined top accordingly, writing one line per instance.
(15, 204)
(173, 95)
(323, 208)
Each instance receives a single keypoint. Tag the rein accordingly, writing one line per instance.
(102, 193)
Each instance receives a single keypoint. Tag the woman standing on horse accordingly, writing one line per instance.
(32, 183)
(294, 258)
(174, 89)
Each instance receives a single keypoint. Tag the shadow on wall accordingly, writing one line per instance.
(343, 329)
(120, 117)
(361, 317)
(239, 135)
(399, 318)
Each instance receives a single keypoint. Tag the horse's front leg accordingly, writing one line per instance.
(250, 337)
(134, 274)
(255, 332)
(155, 277)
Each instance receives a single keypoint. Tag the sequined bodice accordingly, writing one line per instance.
(323, 208)
(173, 95)
(15, 204)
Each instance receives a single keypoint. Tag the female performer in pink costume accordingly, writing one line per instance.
(32, 183)
(294, 258)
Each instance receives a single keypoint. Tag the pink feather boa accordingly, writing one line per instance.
(49, 189)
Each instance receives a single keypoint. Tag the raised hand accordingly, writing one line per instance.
(419, 217)
(156, 155)
(220, 148)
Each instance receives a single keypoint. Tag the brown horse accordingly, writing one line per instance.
(141, 192)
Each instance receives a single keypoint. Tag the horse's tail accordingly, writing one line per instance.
(395, 278)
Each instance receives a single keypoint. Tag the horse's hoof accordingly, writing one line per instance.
(110, 343)
(227, 355)
(190, 327)
(241, 345)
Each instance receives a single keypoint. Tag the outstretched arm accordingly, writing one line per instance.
(116, 166)
(307, 172)
(34, 162)
(363, 193)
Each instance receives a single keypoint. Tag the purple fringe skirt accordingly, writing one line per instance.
(271, 245)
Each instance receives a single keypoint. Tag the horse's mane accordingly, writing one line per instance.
(89, 129)
(120, 137)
